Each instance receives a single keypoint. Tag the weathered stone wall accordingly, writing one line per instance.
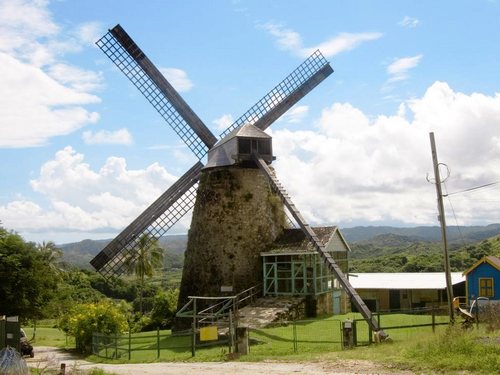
(236, 216)
(324, 304)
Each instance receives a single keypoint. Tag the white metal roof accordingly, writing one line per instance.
(400, 280)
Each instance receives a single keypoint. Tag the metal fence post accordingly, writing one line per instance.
(116, 346)
(230, 332)
(294, 337)
(193, 340)
(157, 342)
(433, 319)
(129, 343)
(193, 327)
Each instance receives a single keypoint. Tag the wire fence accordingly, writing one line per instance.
(146, 345)
(284, 338)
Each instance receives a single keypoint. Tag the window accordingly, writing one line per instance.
(486, 287)
(264, 147)
(244, 146)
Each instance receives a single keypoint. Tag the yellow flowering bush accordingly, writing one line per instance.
(84, 319)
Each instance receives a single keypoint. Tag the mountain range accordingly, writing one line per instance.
(365, 241)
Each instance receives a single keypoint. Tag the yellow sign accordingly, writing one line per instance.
(208, 333)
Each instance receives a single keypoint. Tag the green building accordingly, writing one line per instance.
(291, 267)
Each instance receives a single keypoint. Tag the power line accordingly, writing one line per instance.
(454, 215)
(473, 188)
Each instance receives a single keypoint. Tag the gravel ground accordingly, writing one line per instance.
(52, 357)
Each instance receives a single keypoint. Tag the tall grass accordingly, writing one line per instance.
(458, 350)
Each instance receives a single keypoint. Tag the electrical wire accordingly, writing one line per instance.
(473, 188)
(454, 215)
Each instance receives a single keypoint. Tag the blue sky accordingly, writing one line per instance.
(83, 152)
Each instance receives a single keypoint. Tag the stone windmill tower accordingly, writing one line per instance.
(236, 216)
(228, 184)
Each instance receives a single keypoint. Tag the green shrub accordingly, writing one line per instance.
(84, 319)
(164, 308)
(142, 323)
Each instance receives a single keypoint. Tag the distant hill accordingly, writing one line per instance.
(365, 242)
(424, 233)
(80, 253)
(390, 244)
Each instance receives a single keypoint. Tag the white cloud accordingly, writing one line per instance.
(41, 96)
(409, 22)
(356, 169)
(85, 200)
(223, 122)
(296, 114)
(290, 40)
(287, 39)
(33, 113)
(341, 43)
(361, 170)
(177, 78)
(119, 137)
(89, 32)
(398, 70)
(74, 77)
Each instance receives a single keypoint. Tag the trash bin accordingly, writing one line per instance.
(349, 339)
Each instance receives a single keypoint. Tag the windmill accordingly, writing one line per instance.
(177, 200)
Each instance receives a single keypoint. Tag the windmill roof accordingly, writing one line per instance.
(294, 240)
(490, 259)
(244, 131)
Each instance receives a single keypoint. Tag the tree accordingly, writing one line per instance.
(164, 308)
(84, 319)
(51, 254)
(27, 282)
(142, 261)
(74, 288)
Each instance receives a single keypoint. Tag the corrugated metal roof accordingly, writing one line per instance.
(400, 280)
(293, 240)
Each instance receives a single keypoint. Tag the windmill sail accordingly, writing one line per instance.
(129, 58)
(285, 94)
(155, 221)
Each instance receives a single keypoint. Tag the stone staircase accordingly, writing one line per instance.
(267, 311)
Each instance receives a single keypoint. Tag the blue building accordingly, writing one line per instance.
(483, 279)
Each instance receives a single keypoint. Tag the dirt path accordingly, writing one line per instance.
(52, 357)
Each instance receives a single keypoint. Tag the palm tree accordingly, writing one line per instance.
(143, 260)
(51, 254)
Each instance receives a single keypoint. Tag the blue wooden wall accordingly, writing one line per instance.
(483, 270)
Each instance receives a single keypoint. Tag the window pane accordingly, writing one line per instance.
(486, 287)
(244, 146)
(265, 147)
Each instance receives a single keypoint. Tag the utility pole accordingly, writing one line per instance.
(442, 220)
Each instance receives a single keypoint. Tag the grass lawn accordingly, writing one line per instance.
(449, 349)
(47, 335)
(314, 336)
